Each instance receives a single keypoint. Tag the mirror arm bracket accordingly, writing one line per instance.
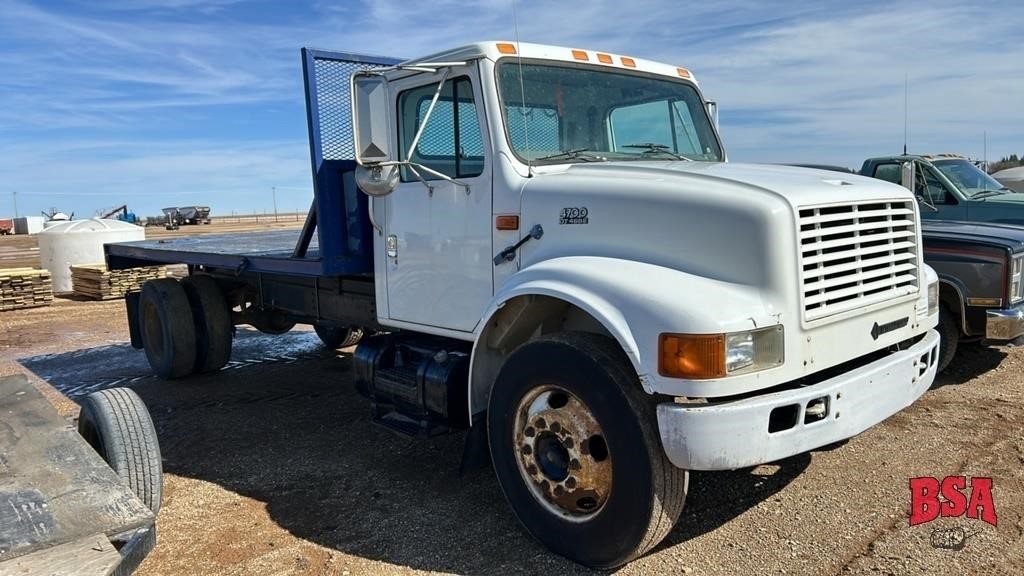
(416, 173)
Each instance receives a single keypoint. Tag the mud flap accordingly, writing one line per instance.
(475, 455)
(131, 303)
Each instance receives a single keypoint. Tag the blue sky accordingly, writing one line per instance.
(173, 102)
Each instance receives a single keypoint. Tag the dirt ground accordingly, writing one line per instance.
(273, 467)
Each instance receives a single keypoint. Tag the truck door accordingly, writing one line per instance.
(933, 188)
(438, 239)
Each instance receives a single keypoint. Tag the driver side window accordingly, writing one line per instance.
(452, 142)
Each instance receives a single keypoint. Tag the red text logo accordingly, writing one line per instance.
(926, 505)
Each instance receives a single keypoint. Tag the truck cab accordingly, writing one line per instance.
(562, 261)
(951, 187)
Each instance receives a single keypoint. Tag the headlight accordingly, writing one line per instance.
(933, 298)
(704, 356)
(1016, 283)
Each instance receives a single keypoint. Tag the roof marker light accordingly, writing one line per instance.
(683, 73)
(604, 58)
(506, 48)
(628, 62)
(580, 55)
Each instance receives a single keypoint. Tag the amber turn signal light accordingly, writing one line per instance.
(506, 222)
(691, 356)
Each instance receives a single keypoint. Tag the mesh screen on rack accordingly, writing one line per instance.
(332, 94)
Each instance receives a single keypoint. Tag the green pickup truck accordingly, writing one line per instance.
(950, 187)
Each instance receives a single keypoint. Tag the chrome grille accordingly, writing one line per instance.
(856, 255)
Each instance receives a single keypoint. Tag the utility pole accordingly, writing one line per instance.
(15, 194)
(273, 191)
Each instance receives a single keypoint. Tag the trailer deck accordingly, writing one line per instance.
(62, 507)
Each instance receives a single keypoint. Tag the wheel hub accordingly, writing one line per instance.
(562, 453)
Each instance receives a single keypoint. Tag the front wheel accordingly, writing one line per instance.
(949, 337)
(575, 446)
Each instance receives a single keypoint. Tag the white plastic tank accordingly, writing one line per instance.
(65, 244)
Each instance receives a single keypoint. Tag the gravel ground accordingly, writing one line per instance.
(272, 467)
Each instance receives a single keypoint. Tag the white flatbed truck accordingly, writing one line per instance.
(563, 263)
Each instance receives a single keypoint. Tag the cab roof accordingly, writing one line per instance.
(498, 49)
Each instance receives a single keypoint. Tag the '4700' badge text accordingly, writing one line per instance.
(574, 215)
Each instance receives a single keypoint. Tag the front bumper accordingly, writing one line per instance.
(735, 434)
(1004, 324)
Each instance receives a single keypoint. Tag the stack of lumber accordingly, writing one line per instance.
(95, 282)
(25, 288)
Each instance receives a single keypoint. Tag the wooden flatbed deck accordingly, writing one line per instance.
(60, 504)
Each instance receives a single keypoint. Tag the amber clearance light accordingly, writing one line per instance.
(705, 356)
(692, 356)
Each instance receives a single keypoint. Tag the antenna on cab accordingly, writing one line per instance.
(522, 90)
(906, 121)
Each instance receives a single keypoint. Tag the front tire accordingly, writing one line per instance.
(576, 450)
(949, 337)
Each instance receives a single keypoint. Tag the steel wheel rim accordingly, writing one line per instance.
(562, 453)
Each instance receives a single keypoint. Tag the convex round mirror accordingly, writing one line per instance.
(377, 180)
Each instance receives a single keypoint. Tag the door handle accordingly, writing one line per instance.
(509, 253)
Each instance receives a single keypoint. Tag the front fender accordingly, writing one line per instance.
(635, 302)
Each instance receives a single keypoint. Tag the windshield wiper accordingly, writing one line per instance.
(574, 154)
(652, 148)
(987, 193)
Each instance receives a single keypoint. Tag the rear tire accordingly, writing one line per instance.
(337, 337)
(212, 320)
(116, 423)
(601, 500)
(168, 332)
(949, 333)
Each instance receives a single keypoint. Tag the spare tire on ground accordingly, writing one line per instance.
(116, 423)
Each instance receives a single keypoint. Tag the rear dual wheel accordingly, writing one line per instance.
(576, 449)
(186, 326)
(336, 337)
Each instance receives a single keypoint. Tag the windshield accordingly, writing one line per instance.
(581, 113)
(967, 177)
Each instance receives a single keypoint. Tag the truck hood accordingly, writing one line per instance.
(735, 223)
(1011, 237)
(1011, 198)
(798, 186)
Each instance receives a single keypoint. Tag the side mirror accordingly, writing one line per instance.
(712, 107)
(908, 176)
(371, 128)
(377, 180)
